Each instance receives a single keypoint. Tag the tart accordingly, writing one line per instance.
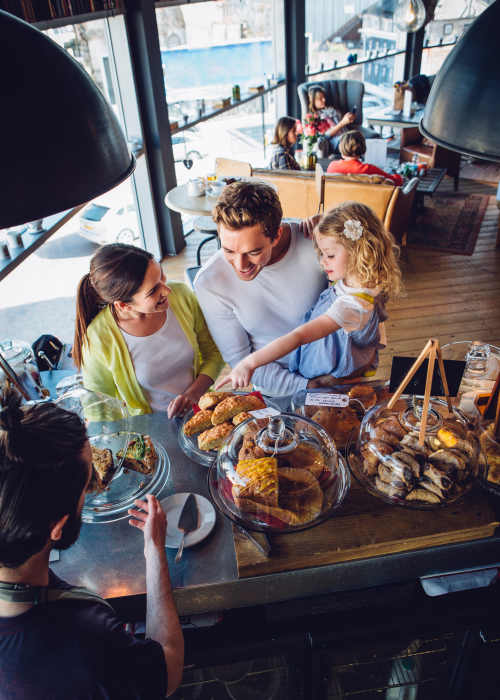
(140, 455)
(102, 469)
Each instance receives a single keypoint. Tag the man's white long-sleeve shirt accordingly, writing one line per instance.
(245, 316)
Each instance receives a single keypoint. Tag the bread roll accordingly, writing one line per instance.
(227, 409)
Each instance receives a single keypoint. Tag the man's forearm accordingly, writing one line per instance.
(162, 620)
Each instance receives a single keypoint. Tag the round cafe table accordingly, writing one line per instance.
(179, 200)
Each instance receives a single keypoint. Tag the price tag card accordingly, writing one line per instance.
(337, 400)
(267, 412)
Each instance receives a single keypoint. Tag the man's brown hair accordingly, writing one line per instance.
(244, 204)
(352, 144)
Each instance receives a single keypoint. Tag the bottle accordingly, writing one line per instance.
(414, 164)
(236, 93)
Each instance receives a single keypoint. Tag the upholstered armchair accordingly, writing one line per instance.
(343, 95)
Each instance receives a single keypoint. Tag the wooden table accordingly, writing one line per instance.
(394, 119)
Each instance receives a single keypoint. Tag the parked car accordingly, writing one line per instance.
(101, 224)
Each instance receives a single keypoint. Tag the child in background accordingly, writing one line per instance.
(337, 122)
(285, 138)
(352, 148)
(342, 333)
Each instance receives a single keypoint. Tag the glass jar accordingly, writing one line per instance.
(21, 359)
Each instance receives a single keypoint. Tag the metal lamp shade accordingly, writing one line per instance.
(61, 142)
(462, 110)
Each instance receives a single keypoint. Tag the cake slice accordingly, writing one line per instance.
(140, 455)
(102, 469)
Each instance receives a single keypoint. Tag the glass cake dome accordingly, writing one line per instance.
(394, 464)
(126, 464)
(278, 474)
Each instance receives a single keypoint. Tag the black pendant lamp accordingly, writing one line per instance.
(61, 142)
(463, 107)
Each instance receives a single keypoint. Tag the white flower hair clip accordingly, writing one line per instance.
(353, 229)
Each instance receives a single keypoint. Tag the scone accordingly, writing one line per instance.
(140, 455)
(364, 393)
(240, 417)
(212, 398)
(213, 438)
(102, 469)
(200, 421)
(227, 409)
(257, 479)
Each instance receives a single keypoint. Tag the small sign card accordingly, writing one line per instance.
(337, 400)
(454, 370)
(267, 412)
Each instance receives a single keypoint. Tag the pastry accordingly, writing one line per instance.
(420, 494)
(240, 417)
(340, 423)
(140, 455)
(390, 490)
(102, 469)
(257, 479)
(306, 457)
(365, 394)
(228, 408)
(213, 438)
(200, 421)
(212, 398)
(491, 450)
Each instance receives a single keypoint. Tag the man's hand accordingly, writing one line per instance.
(307, 226)
(151, 519)
(240, 376)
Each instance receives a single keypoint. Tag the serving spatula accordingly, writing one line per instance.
(188, 521)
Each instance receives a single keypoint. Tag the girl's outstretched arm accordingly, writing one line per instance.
(308, 332)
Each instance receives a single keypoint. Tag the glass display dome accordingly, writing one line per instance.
(392, 463)
(126, 464)
(482, 363)
(490, 446)
(278, 474)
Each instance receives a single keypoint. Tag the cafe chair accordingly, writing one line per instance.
(343, 95)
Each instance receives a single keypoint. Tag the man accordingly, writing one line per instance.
(261, 282)
(73, 646)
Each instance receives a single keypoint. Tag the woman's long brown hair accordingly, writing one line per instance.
(116, 273)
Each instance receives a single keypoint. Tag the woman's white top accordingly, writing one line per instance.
(351, 312)
(163, 362)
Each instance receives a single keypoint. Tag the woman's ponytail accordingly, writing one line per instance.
(88, 305)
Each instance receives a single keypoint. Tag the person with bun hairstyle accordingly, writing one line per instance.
(352, 148)
(285, 138)
(138, 338)
(59, 641)
(342, 333)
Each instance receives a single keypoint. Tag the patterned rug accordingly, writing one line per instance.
(449, 223)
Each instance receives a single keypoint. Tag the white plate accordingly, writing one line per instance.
(172, 505)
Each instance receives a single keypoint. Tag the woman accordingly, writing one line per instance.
(336, 122)
(352, 148)
(137, 338)
(285, 138)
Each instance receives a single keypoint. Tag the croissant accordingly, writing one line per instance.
(200, 421)
(227, 409)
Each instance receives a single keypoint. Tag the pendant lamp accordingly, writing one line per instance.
(62, 144)
(462, 110)
(409, 15)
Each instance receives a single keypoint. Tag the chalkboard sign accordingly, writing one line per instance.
(454, 370)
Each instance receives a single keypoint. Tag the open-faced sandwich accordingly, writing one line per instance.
(140, 455)
(103, 469)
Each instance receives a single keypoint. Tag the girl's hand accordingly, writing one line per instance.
(240, 376)
(306, 227)
(348, 118)
(150, 517)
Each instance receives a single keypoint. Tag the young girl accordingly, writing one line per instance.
(285, 138)
(337, 122)
(342, 333)
(137, 338)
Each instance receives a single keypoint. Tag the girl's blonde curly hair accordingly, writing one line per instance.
(373, 257)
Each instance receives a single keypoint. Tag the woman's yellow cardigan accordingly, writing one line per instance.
(107, 365)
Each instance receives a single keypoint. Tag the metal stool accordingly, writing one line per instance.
(205, 224)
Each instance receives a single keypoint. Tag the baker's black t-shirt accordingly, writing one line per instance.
(77, 650)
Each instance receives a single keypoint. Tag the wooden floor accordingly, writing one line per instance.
(449, 297)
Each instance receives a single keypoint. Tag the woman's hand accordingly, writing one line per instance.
(150, 517)
(184, 401)
(240, 376)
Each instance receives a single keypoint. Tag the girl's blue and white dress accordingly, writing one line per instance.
(361, 315)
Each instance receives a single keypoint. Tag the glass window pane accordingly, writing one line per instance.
(358, 28)
(451, 19)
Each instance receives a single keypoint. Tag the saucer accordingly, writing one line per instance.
(172, 505)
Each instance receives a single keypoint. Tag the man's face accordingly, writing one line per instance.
(248, 250)
(73, 524)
